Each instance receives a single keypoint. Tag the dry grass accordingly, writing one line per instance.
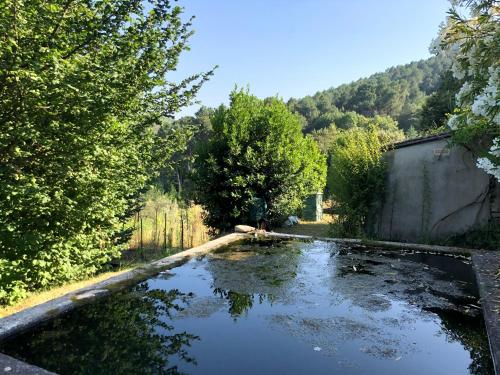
(308, 228)
(44, 296)
(312, 228)
(165, 224)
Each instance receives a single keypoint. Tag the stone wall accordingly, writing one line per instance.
(434, 192)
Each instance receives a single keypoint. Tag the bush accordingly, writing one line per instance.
(256, 150)
(356, 180)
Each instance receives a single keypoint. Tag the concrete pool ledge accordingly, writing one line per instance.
(390, 244)
(487, 269)
(30, 317)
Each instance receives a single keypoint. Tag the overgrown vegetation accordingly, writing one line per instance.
(82, 84)
(481, 237)
(256, 150)
(167, 223)
(356, 177)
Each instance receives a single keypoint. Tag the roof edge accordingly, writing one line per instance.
(416, 141)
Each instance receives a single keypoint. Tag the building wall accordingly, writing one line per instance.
(434, 192)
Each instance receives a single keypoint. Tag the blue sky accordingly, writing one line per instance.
(293, 48)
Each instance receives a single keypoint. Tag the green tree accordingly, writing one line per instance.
(256, 149)
(356, 180)
(178, 169)
(441, 103)
(82, 86)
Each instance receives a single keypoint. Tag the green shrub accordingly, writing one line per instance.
(256, 150)
(356, 180)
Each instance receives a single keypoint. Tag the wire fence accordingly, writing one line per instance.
(164, 224)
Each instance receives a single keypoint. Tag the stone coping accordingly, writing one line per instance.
(12, 366)
(486, 265)
(487, 269)
(389, 244)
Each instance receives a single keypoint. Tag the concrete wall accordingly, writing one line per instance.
(434, 192)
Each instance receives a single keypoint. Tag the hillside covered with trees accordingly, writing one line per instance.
(400, 92)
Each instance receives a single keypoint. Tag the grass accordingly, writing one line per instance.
(308, 228)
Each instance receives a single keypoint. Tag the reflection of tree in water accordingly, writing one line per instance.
(469, 332)
(261, 270)
(127, 333)
(238, 303)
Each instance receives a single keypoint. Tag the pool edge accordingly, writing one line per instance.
(486, 266)
(12, 366)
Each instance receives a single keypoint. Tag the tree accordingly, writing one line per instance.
(440, 104)
(472, 46)
(256, 150)
(356, 180)
(82, 86)
(178, 169)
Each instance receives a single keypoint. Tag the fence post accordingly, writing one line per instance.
(165, 230)
(182, 231)
(142, 244)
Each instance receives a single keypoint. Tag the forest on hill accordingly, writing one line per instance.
(401, 92)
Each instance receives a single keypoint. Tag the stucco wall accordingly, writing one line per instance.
(434, 192)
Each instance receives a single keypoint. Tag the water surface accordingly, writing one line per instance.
(278, 307)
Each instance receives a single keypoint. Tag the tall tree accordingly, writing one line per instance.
(356, 177)
(440, 104)
(82, 84)
(256, 150)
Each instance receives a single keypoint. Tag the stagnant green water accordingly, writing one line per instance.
(277, 307)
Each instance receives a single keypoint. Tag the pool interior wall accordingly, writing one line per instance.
(277, 306)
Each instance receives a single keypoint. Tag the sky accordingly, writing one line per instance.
(294, 48)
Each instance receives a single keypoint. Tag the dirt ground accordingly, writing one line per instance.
(312, 228)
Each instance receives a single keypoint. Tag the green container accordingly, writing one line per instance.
(313, 207)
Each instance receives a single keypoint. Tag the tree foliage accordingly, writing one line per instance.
(356, 178)
(440, 104)
(177, 173)
(399, 92)
(256, 149)
(472, 46)
(82, 84)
